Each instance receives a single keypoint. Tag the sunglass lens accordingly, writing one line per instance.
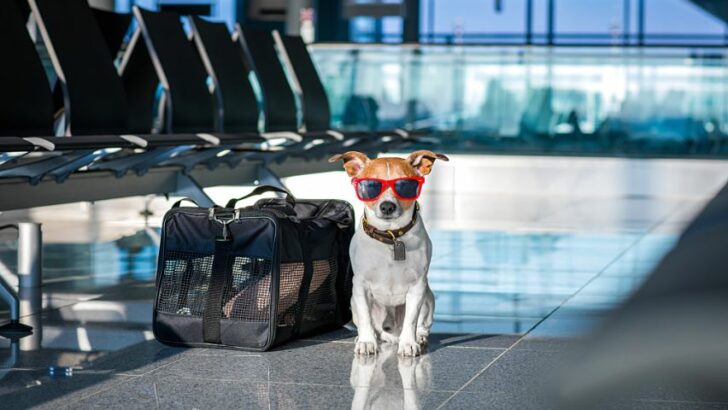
(407, 188)
(369, 188)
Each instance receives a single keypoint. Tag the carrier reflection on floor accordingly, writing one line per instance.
(517, 279)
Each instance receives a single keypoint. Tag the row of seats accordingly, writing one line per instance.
(208, 107)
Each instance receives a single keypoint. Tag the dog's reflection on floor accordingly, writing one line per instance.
(389, 381)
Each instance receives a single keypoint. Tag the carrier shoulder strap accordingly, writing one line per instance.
(213, 305)
(307, 276)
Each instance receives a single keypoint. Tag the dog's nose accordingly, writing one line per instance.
(387, 207)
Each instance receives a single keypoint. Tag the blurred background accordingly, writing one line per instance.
(601, 77)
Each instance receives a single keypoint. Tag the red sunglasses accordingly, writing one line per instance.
(370, 189)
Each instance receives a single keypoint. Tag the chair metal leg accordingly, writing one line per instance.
(188, 187)
(36, 170)
(268, 177)
(140, 163)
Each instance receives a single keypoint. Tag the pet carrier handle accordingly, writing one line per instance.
(261, 190)
(178, 203)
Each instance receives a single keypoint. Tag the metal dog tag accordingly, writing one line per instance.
(400, 252)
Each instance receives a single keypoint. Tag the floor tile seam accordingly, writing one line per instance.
(162, 366)
(284, 383)
(524, 317)
(475, 376)
(344, 342)
(121, 381)
(130, 375)
(321, 341)
(349, 385)
(156, 395)
(265, 381)
(506, 295)
(473, 347)
(226, 354)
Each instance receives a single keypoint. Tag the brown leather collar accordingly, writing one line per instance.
(389, 236)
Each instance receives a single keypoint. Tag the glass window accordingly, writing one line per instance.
(539, 20)
(363, 29)
(374, 30)
(475, 20)
(593, 21)
(681, 21)
(392, 29)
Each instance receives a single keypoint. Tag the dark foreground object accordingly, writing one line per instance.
(673, 330)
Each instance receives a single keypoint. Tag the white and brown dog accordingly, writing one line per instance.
(390, 255)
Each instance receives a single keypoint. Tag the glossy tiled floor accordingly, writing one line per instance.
(512, 292)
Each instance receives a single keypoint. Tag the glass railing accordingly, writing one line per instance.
(612, 101)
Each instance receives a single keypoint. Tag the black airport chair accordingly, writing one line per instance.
(237, 103)
(279, 102)
(94, 97)
(83, 99)
(224, 61)
(229, 70)
(314, 101)
(278, 99)
(189, 105)
(114, 28)
(26, 106)
(140, 84)
(27, 109)
(70, 30)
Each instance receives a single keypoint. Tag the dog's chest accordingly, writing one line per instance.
(389, 280)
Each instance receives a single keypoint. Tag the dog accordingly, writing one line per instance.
(390, 255)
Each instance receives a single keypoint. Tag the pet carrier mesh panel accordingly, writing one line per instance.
(253, 277)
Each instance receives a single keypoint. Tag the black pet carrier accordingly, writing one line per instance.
(253, 277)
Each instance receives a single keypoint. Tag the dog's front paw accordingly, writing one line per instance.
(408, 348)
(365, 347)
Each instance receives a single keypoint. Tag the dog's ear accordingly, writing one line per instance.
(354, 162)
(423, 159)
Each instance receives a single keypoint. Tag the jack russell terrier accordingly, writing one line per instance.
(391, 300)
